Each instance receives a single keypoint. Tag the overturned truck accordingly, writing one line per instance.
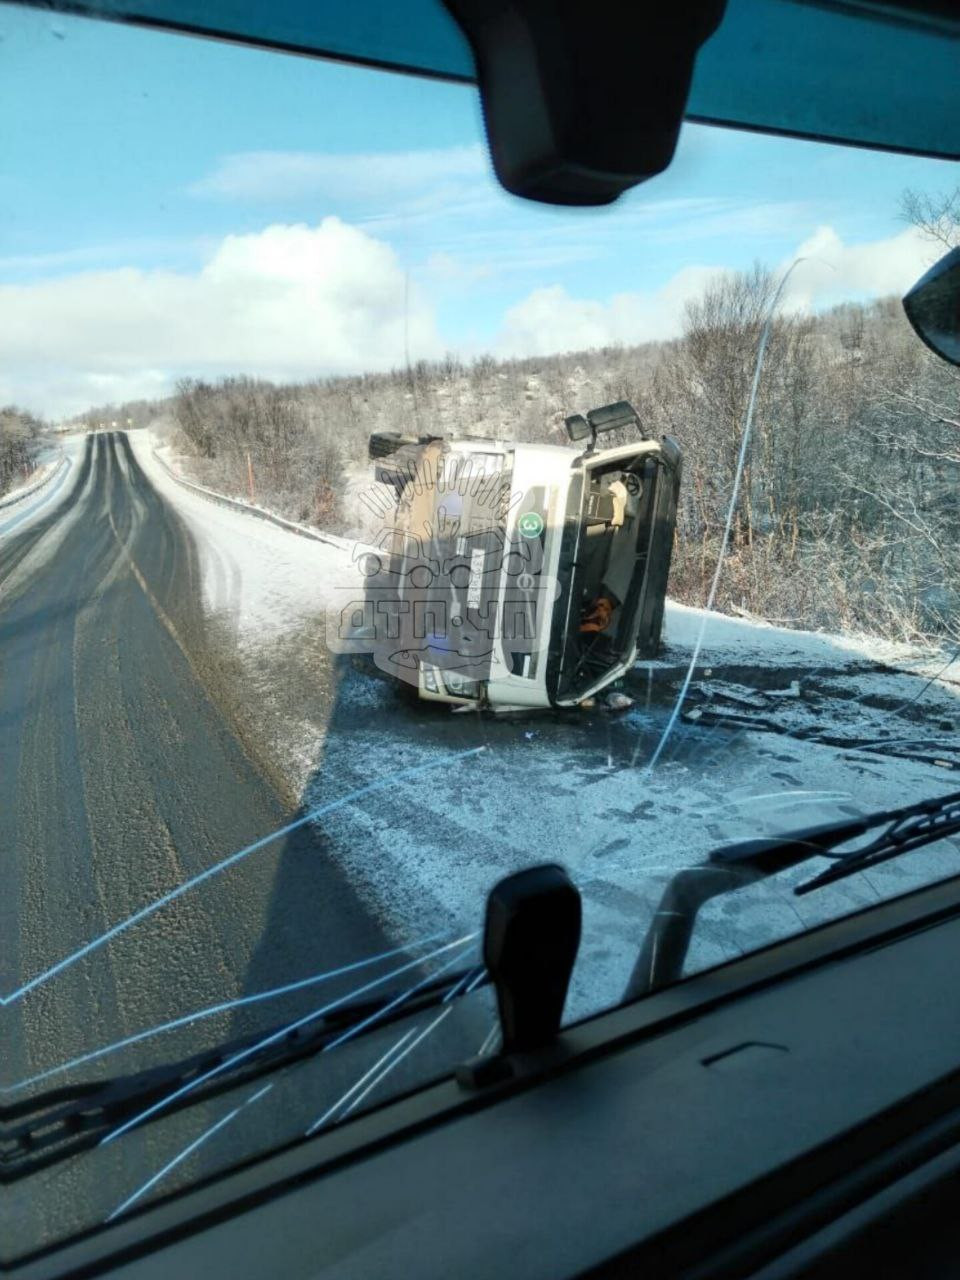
(518, 575)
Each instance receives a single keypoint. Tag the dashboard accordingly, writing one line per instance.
(755, 1120)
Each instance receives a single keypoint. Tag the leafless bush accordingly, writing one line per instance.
(21, 436)
(937, 216)
(848, 514)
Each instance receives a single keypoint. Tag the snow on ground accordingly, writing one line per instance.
(263, 581)
(575, 792)
(724, 636)
(780, 729)
(37, 479)
(19, 506)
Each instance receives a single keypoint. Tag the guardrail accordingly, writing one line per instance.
(21, 494)
(221, 499)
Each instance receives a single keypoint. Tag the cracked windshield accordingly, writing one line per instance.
(367, 534)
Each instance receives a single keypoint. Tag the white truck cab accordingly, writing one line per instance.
(522, 575)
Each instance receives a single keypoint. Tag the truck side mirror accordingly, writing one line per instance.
(578, 428)
(614, 416)
(933, 307)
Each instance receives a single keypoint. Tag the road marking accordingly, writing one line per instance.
(158, 608)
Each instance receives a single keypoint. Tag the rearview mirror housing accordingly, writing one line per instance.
(583, 101)
(933, 307)
(609, 418)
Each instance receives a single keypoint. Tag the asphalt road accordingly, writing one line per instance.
(120, 778)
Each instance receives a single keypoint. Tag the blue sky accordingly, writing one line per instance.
(148, 182)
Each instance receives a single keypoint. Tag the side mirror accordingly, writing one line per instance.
(613, 416)
(578, 428)
(933, 307)
(609, 418)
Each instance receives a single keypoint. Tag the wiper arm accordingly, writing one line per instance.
(734, 866)
(49, 1127)
(921, 825)
(909, 827)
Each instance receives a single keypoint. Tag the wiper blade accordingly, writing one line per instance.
(926, 824)
(909, 827)
(47, 1128)
(735, 866)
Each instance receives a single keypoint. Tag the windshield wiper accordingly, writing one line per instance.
(909, 827)
(735, 866)
(44, 1129)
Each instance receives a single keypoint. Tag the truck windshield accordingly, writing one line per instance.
(616, 559)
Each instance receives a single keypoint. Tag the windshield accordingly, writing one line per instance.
(317, 618)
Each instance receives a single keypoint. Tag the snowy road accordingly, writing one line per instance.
(125, 785)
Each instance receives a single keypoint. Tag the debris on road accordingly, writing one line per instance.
(618, 701)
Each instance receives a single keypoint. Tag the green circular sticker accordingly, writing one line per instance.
(530, 524)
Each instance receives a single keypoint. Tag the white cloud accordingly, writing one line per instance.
(286, 302)
(468, 225)
(298, 301)
(549, 320)
(92, 256)
(293, 175)
(445, 270)
(701, 218)
(835, 271)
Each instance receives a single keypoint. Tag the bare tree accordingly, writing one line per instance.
(938, 217)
